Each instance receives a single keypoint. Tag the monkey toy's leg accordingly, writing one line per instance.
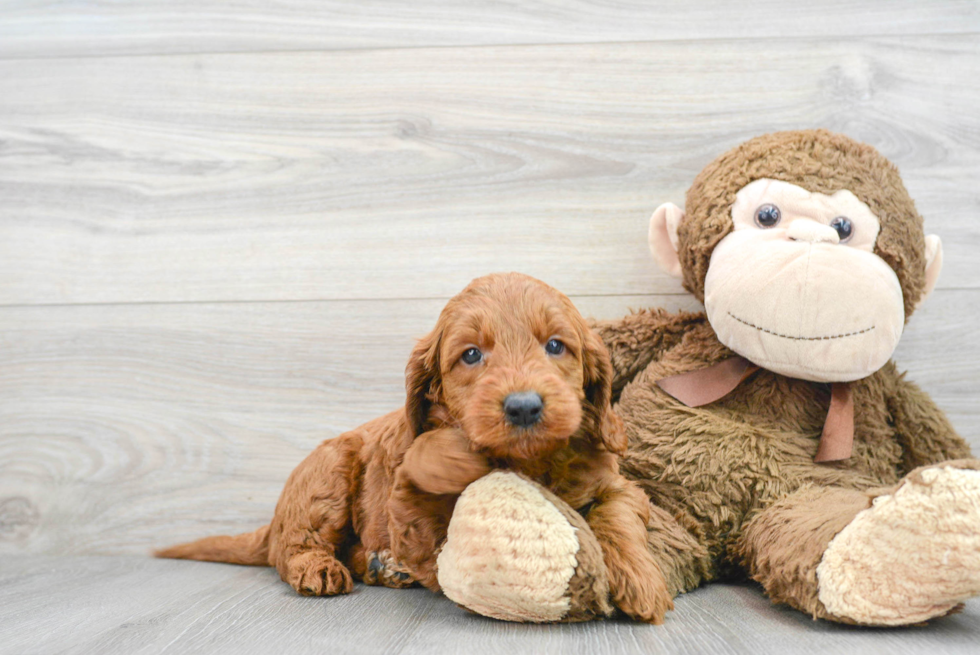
(683, 560)
(313, 516)
(884, 557)
(781, 547)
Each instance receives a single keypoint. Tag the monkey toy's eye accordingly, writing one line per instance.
(844, 227)
(554, 347)
(472, 356)
(767, 215)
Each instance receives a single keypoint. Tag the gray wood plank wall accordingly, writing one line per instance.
(223, 223)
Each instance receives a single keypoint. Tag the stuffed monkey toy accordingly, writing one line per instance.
(773, 435)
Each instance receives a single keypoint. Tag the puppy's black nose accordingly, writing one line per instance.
(523, 409)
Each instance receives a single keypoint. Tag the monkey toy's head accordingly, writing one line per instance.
(806, 250)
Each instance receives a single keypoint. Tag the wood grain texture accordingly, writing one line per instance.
(129, 427)
(137, 605)
(405, 173)
(223, 224)
(32, 29)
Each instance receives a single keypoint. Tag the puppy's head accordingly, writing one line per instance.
(515, 364)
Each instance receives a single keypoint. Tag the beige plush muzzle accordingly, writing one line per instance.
(807, 308)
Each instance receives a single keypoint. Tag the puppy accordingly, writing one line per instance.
(511, 377)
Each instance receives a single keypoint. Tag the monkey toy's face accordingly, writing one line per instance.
(796, 286)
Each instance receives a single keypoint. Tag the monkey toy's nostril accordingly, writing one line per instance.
(803, 229)
(523, 409)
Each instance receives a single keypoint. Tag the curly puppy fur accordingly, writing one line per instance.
(375, 502)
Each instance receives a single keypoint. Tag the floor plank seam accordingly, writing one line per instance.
(281, 301)
(561, 44)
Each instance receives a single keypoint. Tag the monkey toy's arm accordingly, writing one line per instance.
(926, 435)
(639, 338)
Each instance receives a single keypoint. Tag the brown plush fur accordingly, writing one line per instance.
(735, 480)
(783, 545)
(715, 470)
(376, 501)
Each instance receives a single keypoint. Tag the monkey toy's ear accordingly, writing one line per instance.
(934, 264)
(663, 237)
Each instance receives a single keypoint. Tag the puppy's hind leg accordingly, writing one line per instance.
(313, 519)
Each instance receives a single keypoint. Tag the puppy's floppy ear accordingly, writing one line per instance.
(422, 380)
(599, 417)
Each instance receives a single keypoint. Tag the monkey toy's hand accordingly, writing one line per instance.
(517, 552)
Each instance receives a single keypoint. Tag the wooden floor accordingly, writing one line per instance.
(135, 605)
(222, 224)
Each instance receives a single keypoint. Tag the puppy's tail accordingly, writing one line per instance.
(251, 548)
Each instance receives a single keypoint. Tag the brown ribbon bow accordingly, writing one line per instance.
(706, 385)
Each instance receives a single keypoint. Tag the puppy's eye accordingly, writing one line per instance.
(554, 347)
(767, 215)
(472, 356)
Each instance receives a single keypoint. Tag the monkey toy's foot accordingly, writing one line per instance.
(912, 556)
(517, 552)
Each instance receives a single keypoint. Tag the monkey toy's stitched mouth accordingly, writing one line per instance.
(786, 336)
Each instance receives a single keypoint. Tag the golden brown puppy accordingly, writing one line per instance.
(511, 377)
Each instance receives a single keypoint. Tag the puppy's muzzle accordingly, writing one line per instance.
(523, 408)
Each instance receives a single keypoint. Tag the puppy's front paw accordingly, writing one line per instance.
(912, 556)
(443, 461)
(318, 574)
(383, 569)
(642, 595)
